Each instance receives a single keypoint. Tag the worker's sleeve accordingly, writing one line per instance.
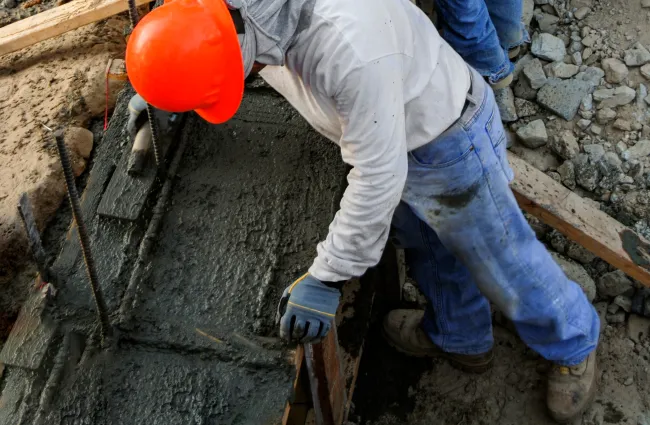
(370, 103)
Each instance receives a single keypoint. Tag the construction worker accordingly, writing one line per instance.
(486, 33)
(423, 135)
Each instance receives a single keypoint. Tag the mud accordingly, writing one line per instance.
(249, 202)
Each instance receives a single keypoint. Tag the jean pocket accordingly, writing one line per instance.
(497, 134)
(450, 148)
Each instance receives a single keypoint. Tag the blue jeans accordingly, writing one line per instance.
(466, 241)
(482, 32)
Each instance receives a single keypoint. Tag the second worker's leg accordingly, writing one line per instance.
(457, 321)
(467, 27)
(460, 186)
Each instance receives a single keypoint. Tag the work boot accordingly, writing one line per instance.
(403, 332)
(571, 389)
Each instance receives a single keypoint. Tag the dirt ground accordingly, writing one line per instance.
(60, 81)
(394, 389)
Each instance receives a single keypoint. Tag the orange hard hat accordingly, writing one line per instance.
(185, 55)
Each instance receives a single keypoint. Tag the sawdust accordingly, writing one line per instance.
(56, 82)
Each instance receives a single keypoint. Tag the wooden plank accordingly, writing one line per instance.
(57, 21)
(31, 335)
(573, 216)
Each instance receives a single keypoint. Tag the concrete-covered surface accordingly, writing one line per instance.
(249, 202)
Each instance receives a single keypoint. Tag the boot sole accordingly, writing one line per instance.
(590, 400)
(475, 368)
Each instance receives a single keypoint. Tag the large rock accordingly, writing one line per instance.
(578, 274)
(613, 284)
(565, 145)
(640, 150)
(506, 102)
(638, 55)
(615, 70)
(523, 90)
(561, 70)
(534, 72)
(563, 97)
(533, 135)
(548, 47)
(620, 96)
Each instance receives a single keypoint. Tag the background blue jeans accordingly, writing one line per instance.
(482, 32)
(466, 239)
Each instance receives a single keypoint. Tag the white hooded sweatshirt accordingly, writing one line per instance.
(375, 77)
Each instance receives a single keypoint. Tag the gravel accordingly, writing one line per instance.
(578, 274)
(587, 176)
(548, 47)
(519, 65)
(533, 135)
(565, 145)
(534, 72)
(582, 13)
(619, 96)
(622, 124)
(638, 55)
(638, 328)
(583, 124)
(567, 174)
(615, 70)
(613, 284)
(506, 102)
(640, 150)
(523, 90)
(623, 302)
(605, 115)
(595, 152)
(526, 108)
(645, 70)
(561, 70)
(576, 58)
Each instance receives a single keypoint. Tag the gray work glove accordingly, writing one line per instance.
(136, 105)
(307, 309)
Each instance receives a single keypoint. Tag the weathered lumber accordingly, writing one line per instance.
(570, 214)
(57, 21)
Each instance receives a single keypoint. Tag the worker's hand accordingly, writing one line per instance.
(136, 105)
(307, 309)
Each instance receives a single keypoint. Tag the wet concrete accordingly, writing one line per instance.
(249, 203)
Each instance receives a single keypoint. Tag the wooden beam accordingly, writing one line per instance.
(57, 21)
(573, 216)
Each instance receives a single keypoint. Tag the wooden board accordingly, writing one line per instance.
(57, 21)
(570, 214)
(31, 335)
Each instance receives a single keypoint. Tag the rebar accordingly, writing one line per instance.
(155, 133)
(33, 237)
(84, 241)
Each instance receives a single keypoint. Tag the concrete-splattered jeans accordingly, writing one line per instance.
(466, 241)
